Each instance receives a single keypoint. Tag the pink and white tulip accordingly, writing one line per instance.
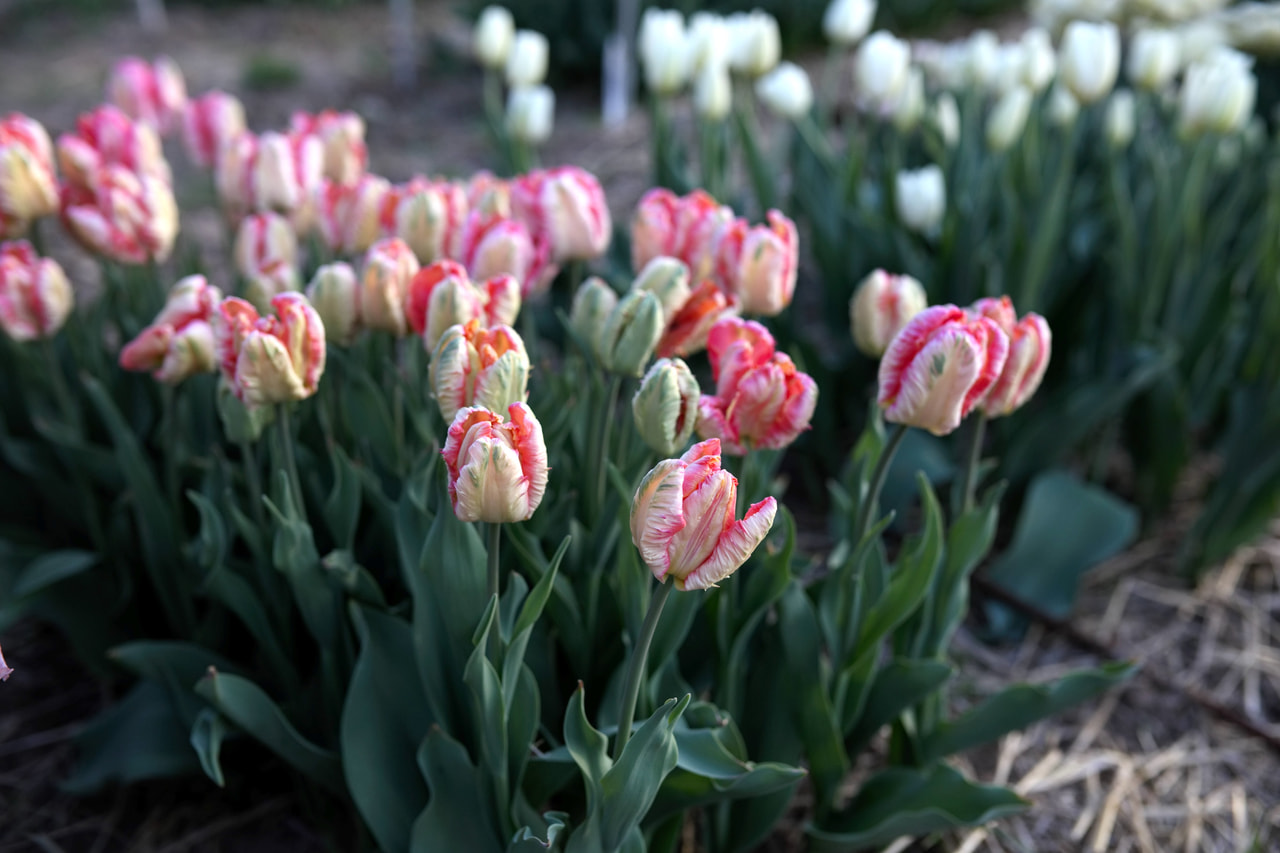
(341, 135)
(688, 328)
(759, 264)
(389, 269)
(350, 215)
(210, 122)
(881, 306)
(122, 215)
(566, 207)
(179, 342)
(1030, 342)
(270, 360)
(35, 296)
(108, 137)
(266, 254)
(28, 184)
(472, 366)
(428, 215)
(497, 469)
(154, 94)
(494, 244)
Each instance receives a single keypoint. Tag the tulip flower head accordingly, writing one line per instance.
(341, 135)
(881, 306)
(1089, 59)
(755, 44)
(939, 367)
(28, 185)
(682, 520)
(35, 296)
(154, 94)
(273, 359)
(786, 91)
(1030, 342)
(122, 215)
(847, 22)
(1008, 118)
(666, 406)
(179, 342)
(688, 328)
(497, 469)
(428, 215)
(494, 244)
(630, 333)
(389, 269)
(266, 253)
(921, 198)
(472, 366)
(1155, 57)
(664, 50)
(708, 41)
(527, 61)
(210, 122)
(494, 33)
(350, 215)
(336, 295)
(667, 279)
(1218, 94)
(881, 70)
(531, 113)
(713, 92)
(566, 207)
(108, 137)
(761, 401)
(759, 264)
(1120, 122)
(593, 302)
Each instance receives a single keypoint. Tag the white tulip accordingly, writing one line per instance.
(713, 92)
(946, 117)
(1089, 60)
(1062, 106)
(527, 61)
(530, 113)
(908, 107)
(1120, 120)
(880, 69)
(663, 47)
(1039, 60)
(1218, 94)
(921, 198)
(1008, 118)
(1197, 40)
(708, 36)
(1154, 59)
(847, 22)
(786, 90)
(755, 45)
(492, 37)
(982, 59)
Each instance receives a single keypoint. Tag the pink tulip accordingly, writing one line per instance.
(688, 328)
(472, 366)
(127, 217)
(209, 122)
(653, 228)
(941, 365)
(179, 341)
(266, 254)
(28, 185)
(269, 360)
(273, 171)
(758, 264)
(761, 400)
(566, 207)
(35, 296)
(342, 136)
(1030, 342)
(497, 470)
(389, 269)
(153, 94)
(108, 137)
(687, 228)
(494, 244)
(682, 520)
(428, 215)
(350, 215)
(881, 306)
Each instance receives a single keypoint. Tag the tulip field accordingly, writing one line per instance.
(868, 445)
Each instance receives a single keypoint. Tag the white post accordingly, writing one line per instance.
(619, 64)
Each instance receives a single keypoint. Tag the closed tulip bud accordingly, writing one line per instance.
(1089, 59)
(630, 333)
(847, 22)
(341, 136)
(592, 304)
(531, 112)
(336, 296)
(389, 268)
(5, 669)
(494, 33)
(682, 520)
(28, 185)
(350, 215)
(666, 406)
(1039, 60)
(1120, 121)
(786, 90)
(210, 122)
(758, 264)
(688, 328)
(664, 51)
(472, 366)
(907, 109)
(667, 279)
(273, 359)
(568, 208)
(428, 215)
(946, 118)
(1008, 118)
(527, 61)
(881, 306)
(1029, 344)
(1155, 57)
(1218, 94)
(266, 254)
(755, 45)
(35, 296)
(939, 367)
(179, 342)
(106, 137)
(1062, 106)
(708, 41)
(713, 92)
(152, 94)
(762, 401)
(497, 470)
(983, 61)
(880, 70)
(124, 216)
(921, 198)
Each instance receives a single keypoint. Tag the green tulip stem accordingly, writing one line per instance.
(495, 542)
(169, 438)
(253, 484)
(969, 483)
(606, 433)
(868, 506)
(36, 237)
(286, 454)
(636, 668)
(66, 403)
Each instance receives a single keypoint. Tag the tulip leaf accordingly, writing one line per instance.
(249, 707)
(364, 408)
(910, 801)
(384, 719)
(342, 506)
(1019, 706)
(212, 544)
(207, 733)
(50, 568)
(235, 593)
(458, 816)
(968, 543)
(919, 453)
(628, 789)
(894, 688)
(526, 841)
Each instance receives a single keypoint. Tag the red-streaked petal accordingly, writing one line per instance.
(736, 544)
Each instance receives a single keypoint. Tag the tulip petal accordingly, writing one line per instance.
(657, 514)
(736, 544)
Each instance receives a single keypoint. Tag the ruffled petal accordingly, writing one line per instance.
(736, 544)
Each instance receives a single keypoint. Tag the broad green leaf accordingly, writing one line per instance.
(207, 733)
(526, 841)
(968, 543)
(364, 407)
(629, 787)
(342, 506)
(588, 747)
(211, 550)
(896, 687)
(458, 816)
(913, 802)
(240, 598)
(50, 568)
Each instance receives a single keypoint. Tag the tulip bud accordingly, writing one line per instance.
(5, 669)
(881, 306)
(210, 122)
(921, 198)
(906, 110)
(592, 305)
(152, 94)
(125, 216)
(270, 360)
(630, 333)
(530, 114)
(1120, 122)
(663, 50)
(389, 267)
(276, 169)
(880, 70)
(758, 265)
(527, 61)
(1218, 94)
(1062, 106)
(1089, 59)
(707, 40)
(682, 520)
(494, 33)
(567, 206)
(179, 342)
(755, 44)
(946, 118)
(786, 90)
(336, 295)
(497, 470)
(666, 406)
(1039, 60)
(266, 253)
(35, 296)
(1029, 345)
(428, 215)
(350, 215)
(688, 329)
(472, 366)
(449, 297)
(984, 63)
(1154, 59)
(713, 92)
(847, 22)
(939, 367)
(667, 279)
(28, 186)
(1008, 118)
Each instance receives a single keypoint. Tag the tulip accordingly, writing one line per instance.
(630, 333)
(881, 306)
(152, 94)
(494, 33)
(127, 217)
(1008, 118)
(707, 41)
(664, 51)
(530, 113)
(35, 296)
(5, 670)
(762, 401)
(755, 44)
(713, 92)
(700, 219)
(441, 295)
(107, 136)
(472, 366)
(946, 118)
(336, 295)
(266, 254)
(1062, 106)
(179, 342)
(350, 215)
(527, 61)
(688, 328)
(1218, 94)
(1154, 59)
(497, 470)
(1200, 39)
(28, 185)
(666, 406)
(270, 360)
(906, 110)
(593, 302)
(758, 265)
(939, 367)
(667, 279)
(880, 69)
(786, 90)
(921, 198)
(1029, 344)
(210, 122)
(287, 171)
(984, 62)
(496, 245)
(847, 22)
(1039, 60)
(1120, 122)
(389, 268)
(1089, 59)
(341, 138)
(567, 207)
(428, 215)
(682, 520)
(653, 228)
